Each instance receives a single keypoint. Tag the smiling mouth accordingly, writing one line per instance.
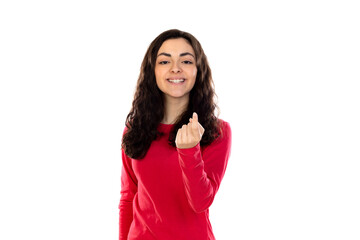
(180, 80)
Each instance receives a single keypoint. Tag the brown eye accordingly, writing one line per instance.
(187, 62)
(163, 62)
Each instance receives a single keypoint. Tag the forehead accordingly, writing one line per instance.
(176, 46)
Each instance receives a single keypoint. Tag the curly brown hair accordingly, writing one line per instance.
(148, 105)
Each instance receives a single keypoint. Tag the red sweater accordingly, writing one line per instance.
(167, 194)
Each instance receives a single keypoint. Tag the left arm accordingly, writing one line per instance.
(202, 173)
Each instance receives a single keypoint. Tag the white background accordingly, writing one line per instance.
(287, 77)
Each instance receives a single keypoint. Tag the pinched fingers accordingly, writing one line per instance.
(189, 134)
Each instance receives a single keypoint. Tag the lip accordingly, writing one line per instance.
(172, 78)
(180, 83)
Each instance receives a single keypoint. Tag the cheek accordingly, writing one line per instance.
(194, 72)
(159, 72)
(156, 71)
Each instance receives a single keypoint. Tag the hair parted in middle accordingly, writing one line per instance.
(148, 105)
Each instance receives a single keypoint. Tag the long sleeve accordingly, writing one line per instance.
(203, 172)
(128, 191)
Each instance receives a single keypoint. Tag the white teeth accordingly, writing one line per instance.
(176, 80)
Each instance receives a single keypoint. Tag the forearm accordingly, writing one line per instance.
(125, 218)
(198, 187)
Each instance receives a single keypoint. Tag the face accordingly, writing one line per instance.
(175, 69)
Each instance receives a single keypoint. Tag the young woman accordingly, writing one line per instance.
(174, 148)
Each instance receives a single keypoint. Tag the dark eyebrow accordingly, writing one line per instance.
(186, 53)
(181, 54)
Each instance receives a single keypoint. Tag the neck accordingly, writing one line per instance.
(173, 108)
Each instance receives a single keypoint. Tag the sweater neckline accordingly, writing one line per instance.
(166, 127)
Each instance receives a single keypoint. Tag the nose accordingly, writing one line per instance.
(175, 68)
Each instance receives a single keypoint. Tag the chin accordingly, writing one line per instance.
(183, 95)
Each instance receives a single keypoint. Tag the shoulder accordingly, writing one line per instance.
(223, 141)
(223, 123)
(225, 129)
(125, 130)
(223, 134)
